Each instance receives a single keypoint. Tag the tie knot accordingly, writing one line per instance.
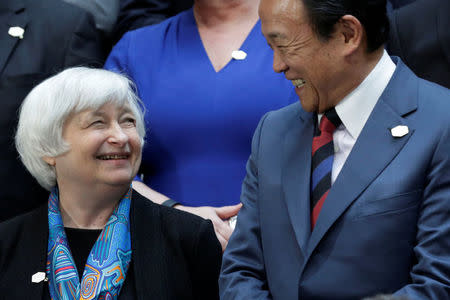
(330, 121)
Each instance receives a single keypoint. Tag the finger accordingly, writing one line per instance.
(222, 228)
(223, 242)
(226, 212)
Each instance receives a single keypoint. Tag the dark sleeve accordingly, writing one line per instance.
(208, 258)
(135, 14)
(393, 43)
(87, 45)
(117, 60)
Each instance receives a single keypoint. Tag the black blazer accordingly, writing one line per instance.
(420, 36)
(57, 35)
(175, 255)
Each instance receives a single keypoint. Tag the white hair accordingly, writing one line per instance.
(47, 107)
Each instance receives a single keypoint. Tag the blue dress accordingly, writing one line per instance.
(199, 123)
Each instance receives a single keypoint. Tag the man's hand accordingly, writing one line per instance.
(219, 217)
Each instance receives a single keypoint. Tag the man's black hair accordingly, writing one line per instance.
(324, 14)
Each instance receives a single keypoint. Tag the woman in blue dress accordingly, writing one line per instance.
(206, 79)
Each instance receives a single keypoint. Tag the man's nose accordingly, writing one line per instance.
(278, 63)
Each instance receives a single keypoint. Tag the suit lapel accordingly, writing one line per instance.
(373, 151)
(16, 17)
(296, 174)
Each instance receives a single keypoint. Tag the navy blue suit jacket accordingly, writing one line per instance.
(385, 225)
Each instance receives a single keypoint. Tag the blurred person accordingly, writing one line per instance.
(97, 238)
(104, 12)
(134, 14)
(38, 39)
(205, 76)
(399, 3)
(386, 297)
(420, 36)
(347, 192)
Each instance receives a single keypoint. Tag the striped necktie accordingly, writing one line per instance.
(322, 162)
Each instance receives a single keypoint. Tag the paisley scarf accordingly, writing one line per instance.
(108, 261)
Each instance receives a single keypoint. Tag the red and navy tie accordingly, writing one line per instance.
(322, 162)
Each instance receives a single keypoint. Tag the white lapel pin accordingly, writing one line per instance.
(238, 54)
(38, 277)
(16, 31)
(399, 131)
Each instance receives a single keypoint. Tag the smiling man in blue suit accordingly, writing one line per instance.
(347, 193)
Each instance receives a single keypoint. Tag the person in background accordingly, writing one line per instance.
(96, 237)
(205, 78)
(386, 297)
(104, 12)
(135, 14)
(399, 3)
(347, 193)
(38, 39)
(420, 36)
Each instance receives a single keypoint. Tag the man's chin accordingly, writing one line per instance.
(308, 106)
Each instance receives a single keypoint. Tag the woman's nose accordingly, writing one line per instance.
(117, 135)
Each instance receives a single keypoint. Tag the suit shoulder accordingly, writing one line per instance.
(16, 230)
(434, 98)
(282, 117)
(10, 226)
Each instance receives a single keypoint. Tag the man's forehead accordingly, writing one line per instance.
(276, 8)
(278, 16)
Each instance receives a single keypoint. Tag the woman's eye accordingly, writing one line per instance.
(129, 121)
(96, 122)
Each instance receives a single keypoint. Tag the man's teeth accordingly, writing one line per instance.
(107, 157)
(298, 82)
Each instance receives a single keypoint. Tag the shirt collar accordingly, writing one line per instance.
(355, 108)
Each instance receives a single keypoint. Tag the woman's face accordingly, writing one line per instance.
(105, 148)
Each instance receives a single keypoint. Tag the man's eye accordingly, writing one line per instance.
(282, 48)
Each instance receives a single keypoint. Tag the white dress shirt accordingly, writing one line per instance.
(355, 109)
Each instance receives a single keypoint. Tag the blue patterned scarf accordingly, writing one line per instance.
(108, 261)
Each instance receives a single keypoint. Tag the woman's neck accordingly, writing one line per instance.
(210, 13)
(89, 209)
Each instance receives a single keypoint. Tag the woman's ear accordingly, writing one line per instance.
(50, 160)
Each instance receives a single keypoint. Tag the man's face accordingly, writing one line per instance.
(311, 64)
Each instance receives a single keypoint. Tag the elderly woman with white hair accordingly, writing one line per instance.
(80, 135)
